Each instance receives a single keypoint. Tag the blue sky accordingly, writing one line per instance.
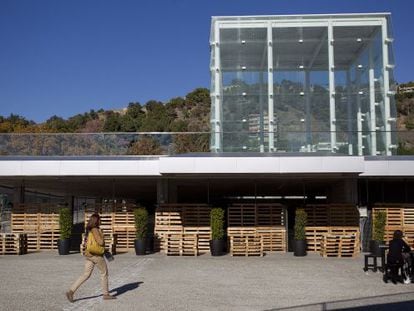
(66, 57)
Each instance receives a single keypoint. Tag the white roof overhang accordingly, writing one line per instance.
(210, 165)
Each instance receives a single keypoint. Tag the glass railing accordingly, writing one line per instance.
(105, 144)
(173, 143)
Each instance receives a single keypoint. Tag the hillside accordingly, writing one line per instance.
(181, 114)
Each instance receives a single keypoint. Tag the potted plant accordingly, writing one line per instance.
(378, 232)
(65, 228)
(217, 231)
(141, 228)
(300, 234)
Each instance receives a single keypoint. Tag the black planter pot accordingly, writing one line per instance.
(374, 247)
(140, 247)
(216, 247)
(299, 248)
(64, 246)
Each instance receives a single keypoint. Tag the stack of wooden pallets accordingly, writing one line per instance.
(183, 219)
(13, 243)
(274, 238)
(168, 220)
(334, 245)
(331, 219)
(246, 245)
(250, 223)
(181, 244)
(399, 217)
(40, 222)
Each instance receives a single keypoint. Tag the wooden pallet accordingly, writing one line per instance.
(343, 215)
(181, 245)
(274, 238)
(318, 215)
(246, 245)
(334, 245)
(110, 207)
(160, 234)
(13, 243)
(241, 215)
(182, 219)
(42, 229)
(399, 217)
(36, 208)
(409, 215)
(261, 214)
(270, 214)
(322, 215)
(203, 235)
(314, 235)
(125, 238)
(168, 217)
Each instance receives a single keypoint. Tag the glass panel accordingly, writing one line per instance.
(301, 96)
(357, 51)
(243, 56)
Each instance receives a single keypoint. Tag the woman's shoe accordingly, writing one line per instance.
(108, 297)
(69, 295)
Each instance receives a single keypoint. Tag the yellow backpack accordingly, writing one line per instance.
(92, 247)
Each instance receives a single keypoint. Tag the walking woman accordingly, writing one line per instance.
(94, 256)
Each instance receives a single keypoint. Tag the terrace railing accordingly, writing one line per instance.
(172, 143)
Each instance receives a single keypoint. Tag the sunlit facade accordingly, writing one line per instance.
(310, 83)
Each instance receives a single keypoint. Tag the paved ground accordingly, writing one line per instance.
(155, 282)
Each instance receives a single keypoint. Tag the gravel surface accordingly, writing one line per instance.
(38, 281)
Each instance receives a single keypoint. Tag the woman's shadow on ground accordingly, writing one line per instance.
(126, 288)
(117, 291)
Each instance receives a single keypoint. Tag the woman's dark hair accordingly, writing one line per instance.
(398, 234)
(93, 222)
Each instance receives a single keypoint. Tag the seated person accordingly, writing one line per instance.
(398, 250)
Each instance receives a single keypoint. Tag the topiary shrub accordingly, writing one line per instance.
(141, 223)
(217, 223)
(379, 221)
(65, 223)
(301, 218)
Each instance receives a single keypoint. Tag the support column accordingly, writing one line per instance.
(359, 113)
(372, 114)
(18, 193)
(332, 118)
(261, 114)
(385, 63)
(349, 112)
(217, 91)
(308, 112)
(270, 87)
(162, 191)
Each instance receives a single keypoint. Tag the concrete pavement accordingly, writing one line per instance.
(38, 281)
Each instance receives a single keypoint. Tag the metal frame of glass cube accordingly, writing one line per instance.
(308, 83)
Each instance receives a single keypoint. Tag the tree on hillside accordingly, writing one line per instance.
(156, 118)
(112, 122)
(57, 125)
(200, 96)
(145, 145)
(14, 123)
